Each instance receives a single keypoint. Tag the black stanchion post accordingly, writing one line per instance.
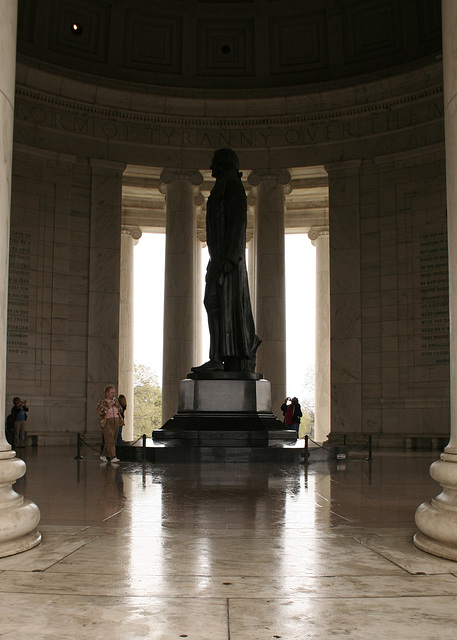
(78, 455)
(144, 447)
(370, 448)
(306, 448)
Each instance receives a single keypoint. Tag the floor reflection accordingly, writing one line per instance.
(239, 551)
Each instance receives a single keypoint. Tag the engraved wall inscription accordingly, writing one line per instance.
(19, 296)
(272, 132)
(434, 299)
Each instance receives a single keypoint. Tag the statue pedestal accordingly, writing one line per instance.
(224, 409)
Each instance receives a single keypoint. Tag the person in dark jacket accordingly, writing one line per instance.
(291, 410)
(19, 413)
(123, 402)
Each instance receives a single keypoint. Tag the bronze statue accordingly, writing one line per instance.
(233, 342)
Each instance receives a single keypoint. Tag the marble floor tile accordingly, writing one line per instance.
(118, 618)
(53, 549)
(205, 555)
(402, 552)
(356, 618)
(230, 586)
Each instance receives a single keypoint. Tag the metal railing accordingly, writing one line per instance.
(366, 445)
(80, 441)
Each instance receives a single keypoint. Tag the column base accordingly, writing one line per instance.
(19, 517)
(24, 543)
(437, 521)
(424, 543)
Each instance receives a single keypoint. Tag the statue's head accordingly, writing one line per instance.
(224, 159)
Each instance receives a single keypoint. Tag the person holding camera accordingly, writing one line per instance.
(110, 418)
(19, 413)
(291, 410)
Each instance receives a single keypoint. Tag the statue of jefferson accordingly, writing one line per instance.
(233, 342)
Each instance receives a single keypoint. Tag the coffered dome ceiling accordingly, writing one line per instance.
(235, 46)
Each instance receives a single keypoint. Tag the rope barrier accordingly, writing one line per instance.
(320, 446)
(81, 441)
(367, 445)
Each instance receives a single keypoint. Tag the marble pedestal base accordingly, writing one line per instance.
(18, 517)
(224, 409)
(209, 450)
(224, 393)
(437, 520)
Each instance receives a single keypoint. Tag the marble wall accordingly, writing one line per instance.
(48, 290)
(389, 304)
(404, 296)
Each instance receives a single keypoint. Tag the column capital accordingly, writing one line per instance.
(170, 175)
(252, 198)
(317, 232)
(281, 176)
(199, 199)
(134, 232)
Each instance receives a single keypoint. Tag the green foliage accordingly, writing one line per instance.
(306, 422)
(307, 403)
(148, 401)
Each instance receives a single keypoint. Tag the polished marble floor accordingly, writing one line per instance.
(227, 551)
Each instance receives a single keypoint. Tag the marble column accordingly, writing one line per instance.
(130, 237)
(437, 520)
(200, 313)
(179, 334)
(104, 284)
(19, 516)
(270, 285)
(251, 271)
(320, 239)
(199, 308)
(251, 249)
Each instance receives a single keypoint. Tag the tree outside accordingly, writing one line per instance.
(147, 395)
(307, 404)
(306, 423)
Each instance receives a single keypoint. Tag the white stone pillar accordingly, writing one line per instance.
(19, 517)
(270, 287)
(437, 521)
(320, 239)
(129, 238)
(251, 249)
(179, 337)
(251, 272)
(199, 355)
(200, 241)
